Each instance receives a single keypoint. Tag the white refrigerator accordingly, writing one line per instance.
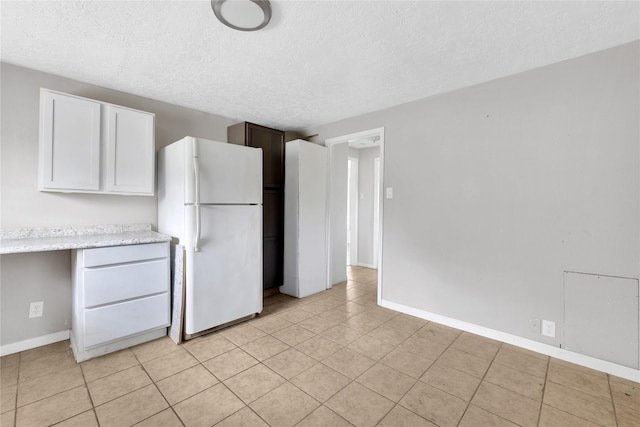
(210, 200)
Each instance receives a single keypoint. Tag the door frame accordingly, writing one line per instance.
(376, 207)
(345, 139)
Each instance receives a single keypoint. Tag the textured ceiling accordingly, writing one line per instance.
(316, 62)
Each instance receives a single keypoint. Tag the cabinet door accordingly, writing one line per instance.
(272, 143)
(130, 151)
(69, 143)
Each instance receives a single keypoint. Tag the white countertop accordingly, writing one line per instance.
(24, 240)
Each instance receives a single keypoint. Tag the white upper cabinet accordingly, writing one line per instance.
(130, 162)
(88, 146)
(69, 143)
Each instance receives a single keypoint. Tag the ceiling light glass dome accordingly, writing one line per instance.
(243, 15)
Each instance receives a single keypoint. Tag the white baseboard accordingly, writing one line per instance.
(33, 343)
(81, 354)
(363, 264)
(339, 281)
(546, 349)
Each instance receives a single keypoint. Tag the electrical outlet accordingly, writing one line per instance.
(549, 328)
(535, 325)
(389, 192)
(35, 309)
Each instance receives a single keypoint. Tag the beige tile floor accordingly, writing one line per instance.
(332, 359)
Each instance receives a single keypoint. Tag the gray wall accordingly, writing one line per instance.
(47, 276)
(500, 187)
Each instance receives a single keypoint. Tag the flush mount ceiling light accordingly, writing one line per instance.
(243, 15)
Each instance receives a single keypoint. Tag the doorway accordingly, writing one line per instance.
(361, 203)
(339, 210)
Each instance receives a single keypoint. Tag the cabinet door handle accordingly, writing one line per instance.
(196, 170)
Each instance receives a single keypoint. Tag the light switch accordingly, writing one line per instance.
(389, 192)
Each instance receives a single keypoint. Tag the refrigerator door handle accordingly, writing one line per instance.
(196, 170)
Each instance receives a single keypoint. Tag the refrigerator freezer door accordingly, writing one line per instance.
(228, 173)
(224, 278)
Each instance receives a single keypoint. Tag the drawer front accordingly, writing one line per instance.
(119, 254)
(120, 282)
(117, 321)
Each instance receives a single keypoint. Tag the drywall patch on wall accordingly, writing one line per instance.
(601, 317)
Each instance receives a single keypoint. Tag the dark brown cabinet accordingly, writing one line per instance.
(272, 143)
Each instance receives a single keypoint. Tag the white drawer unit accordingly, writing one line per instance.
(120, 297)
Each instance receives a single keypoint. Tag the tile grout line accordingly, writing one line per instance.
(200, 392)
(509, 390)
(566, 412)
(328, 367)
(500, 386)
(86, 385)
(323, 404)
(430, 366)
(157, 388)
(317, 362)
(52, 395)
(247, 405)
(613, 403)
(587, 393)
(544, 389)
(153, 382)
(481, 380)
(479, 384)
(176, 373)
(380, 361)
(15, 407)
(130, 392)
